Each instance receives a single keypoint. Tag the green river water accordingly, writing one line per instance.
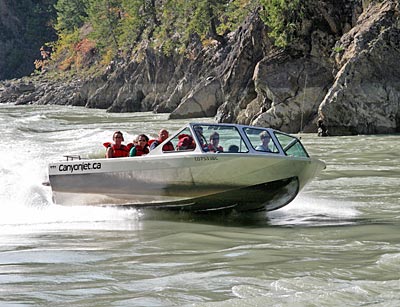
(337, 244)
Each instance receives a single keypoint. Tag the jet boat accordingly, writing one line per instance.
(243, 172)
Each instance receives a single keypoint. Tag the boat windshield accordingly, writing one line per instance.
(220, 138)
(261, 140)
(291, 145)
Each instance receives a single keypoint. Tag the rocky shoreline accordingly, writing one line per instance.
(355, 88)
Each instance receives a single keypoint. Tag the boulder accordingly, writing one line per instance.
(289, 93)
(202, 101)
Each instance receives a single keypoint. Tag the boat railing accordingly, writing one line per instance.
(73, 157)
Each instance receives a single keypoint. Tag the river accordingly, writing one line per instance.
(336, 244)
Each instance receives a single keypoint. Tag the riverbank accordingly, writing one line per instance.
(343, 71)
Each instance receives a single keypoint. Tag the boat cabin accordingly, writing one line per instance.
(231, 138)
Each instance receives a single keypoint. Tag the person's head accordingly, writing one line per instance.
(265, 137)
(142, 140)
(118, 137)
(233, 148)
(214, 138)
(135, 139)
(163, 135)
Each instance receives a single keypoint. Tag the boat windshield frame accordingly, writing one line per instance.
(291, 145)
(246, 139)
(231, 137)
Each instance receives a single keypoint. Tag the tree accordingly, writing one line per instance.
(71, 15)
(174, 16)
(138, 16)
(236, 12)
(105, 17)
(185, 20)
(283, 17)
(207, 17)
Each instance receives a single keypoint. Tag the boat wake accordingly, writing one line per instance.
(309, 212)
(26, 204)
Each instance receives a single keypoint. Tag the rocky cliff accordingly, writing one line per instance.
(24, 27)
(343, 69)
(365, 95)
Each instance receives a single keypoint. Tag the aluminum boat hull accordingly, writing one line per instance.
(184, 181)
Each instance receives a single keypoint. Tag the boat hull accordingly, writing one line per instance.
(195, 182)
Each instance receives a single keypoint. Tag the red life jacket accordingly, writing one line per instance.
(168, 147)
(123, 151)
(212, 148)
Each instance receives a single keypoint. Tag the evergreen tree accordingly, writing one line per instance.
(206, 17)
(172, 32)
(236, 12)
(105, 17)
(138, 16)
(283, 17)
(185, 20)
(71, 15)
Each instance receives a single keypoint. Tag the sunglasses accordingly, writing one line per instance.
(118, 137)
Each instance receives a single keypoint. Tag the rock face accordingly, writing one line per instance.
(365, 95)
(288, 94)
(29, 20)
(343, 69)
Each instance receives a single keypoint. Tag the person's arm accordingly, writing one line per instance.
(109, 152)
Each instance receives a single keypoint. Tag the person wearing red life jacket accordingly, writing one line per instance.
(162, 136)
(185, 142)
(141, 148)
(117, 150)
(214, 141)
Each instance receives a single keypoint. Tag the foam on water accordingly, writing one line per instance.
(313, 211)
(26, 202)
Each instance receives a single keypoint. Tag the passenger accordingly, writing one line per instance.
(214, 143)
(233, 148)
(117, 150)
(141, 148)
(162, 136)
(135, 140)
(265, 139)
(185, 142)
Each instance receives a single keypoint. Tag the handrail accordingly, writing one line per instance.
(73, 157)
